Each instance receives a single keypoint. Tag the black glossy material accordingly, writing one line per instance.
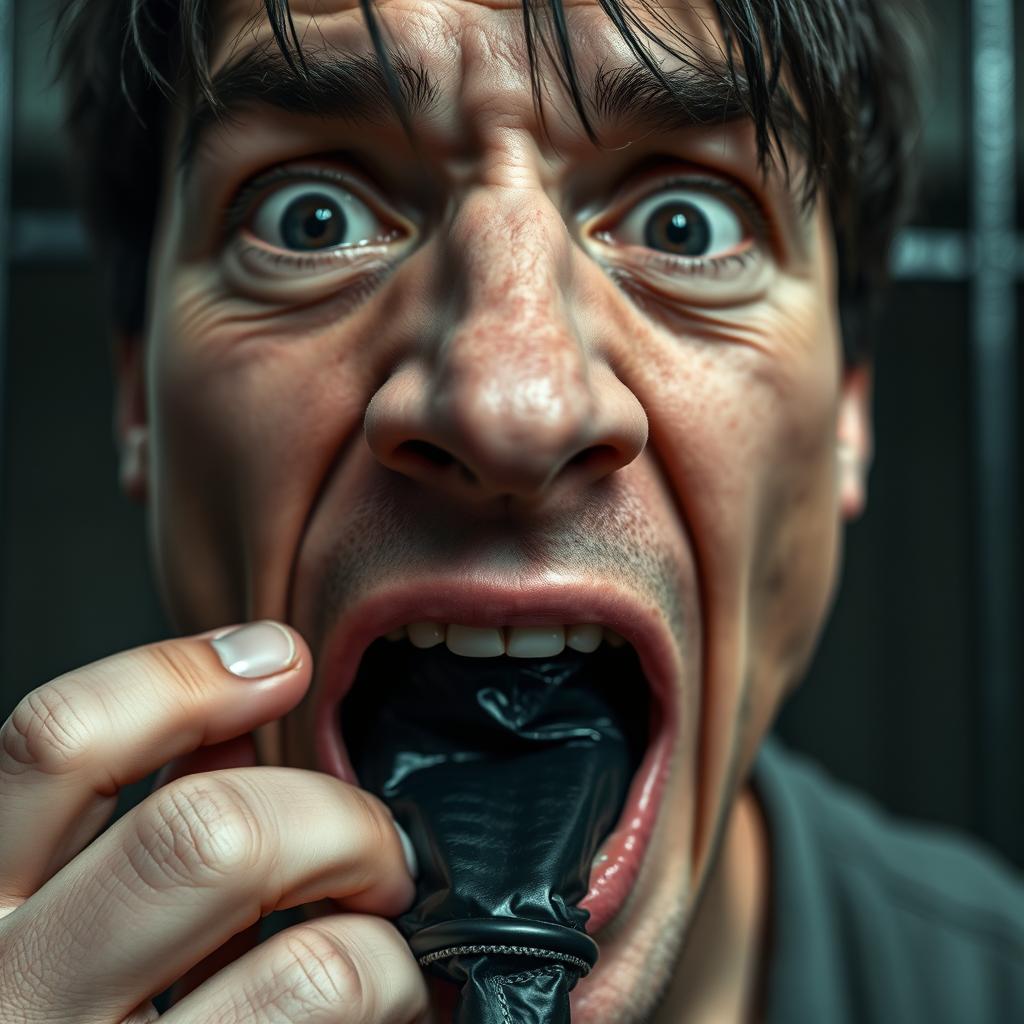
(507, 774)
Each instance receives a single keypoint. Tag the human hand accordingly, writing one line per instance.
(91, 928)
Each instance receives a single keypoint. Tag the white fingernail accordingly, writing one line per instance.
(256, 649)
(409, 850)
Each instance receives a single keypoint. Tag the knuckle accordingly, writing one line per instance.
(314, 970)
(170, 663)
(196, 830)
(50, 729)
(364, 970)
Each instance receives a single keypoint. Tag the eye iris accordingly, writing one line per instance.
(679, 228)
(313, 222)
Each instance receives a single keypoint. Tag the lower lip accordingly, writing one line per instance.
(621, 855)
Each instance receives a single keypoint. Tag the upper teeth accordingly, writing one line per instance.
(515, 641)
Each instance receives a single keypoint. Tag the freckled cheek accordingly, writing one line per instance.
(747, 432)
(797, 545)
(785, 392)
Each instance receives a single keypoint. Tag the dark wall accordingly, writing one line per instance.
(891, 703)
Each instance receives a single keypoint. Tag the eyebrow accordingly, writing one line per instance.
(328, 84)
(354, 88)
(702, 95)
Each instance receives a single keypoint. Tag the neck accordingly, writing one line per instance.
(719, 968)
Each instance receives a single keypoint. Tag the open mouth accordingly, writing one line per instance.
(599, 660)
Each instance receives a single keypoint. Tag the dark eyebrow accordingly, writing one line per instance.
(705, 95)
(354, 88)
(329, 84)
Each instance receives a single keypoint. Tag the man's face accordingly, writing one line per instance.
(503, 377)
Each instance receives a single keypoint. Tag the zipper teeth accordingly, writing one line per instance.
(548, 954)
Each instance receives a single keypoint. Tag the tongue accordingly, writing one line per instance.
(507, 774)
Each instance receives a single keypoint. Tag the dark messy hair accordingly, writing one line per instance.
(850, 66)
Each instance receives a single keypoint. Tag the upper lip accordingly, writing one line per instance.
(489, 603)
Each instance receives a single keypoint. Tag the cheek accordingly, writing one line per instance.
(795, 565)
(245, 428)
(746, 430)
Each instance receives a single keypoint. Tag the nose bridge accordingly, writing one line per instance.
(513, 259)
(511, 367)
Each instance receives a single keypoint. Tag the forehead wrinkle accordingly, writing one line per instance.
(430, 36)
(484, 54)
(479, 63)
(694, 22)
(310, 14)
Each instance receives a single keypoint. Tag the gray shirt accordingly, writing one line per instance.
(878, 921)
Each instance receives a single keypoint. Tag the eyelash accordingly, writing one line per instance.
(703, 265)
(239, 209)
(698, 265)
(307, 260)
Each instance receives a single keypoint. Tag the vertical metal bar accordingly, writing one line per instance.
(6, 140)
(993, 323)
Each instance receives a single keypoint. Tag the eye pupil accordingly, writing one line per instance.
(678, 227)
(313, 222)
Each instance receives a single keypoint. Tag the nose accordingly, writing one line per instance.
(506, 393)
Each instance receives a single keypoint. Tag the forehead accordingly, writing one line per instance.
(459, 40)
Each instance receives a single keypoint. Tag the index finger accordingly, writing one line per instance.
(71, 744)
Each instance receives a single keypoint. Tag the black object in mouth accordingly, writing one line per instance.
(508, 774)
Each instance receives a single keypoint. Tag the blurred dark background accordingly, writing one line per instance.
(915, 695)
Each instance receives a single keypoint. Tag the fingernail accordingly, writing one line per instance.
(409, 850)
(256, 649)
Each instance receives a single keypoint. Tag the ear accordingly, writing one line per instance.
(131, 423)
(854, 439)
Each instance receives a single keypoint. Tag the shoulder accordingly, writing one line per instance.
(931, 868)
(918, 917)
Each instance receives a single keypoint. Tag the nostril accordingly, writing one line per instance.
(419, 452)
(596, 457)
(426, 450)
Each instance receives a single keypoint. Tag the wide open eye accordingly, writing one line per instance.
(311, 216)
(685, 222)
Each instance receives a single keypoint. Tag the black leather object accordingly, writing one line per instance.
(507, 774)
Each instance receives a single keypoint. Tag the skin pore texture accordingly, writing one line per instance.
(507, 310)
